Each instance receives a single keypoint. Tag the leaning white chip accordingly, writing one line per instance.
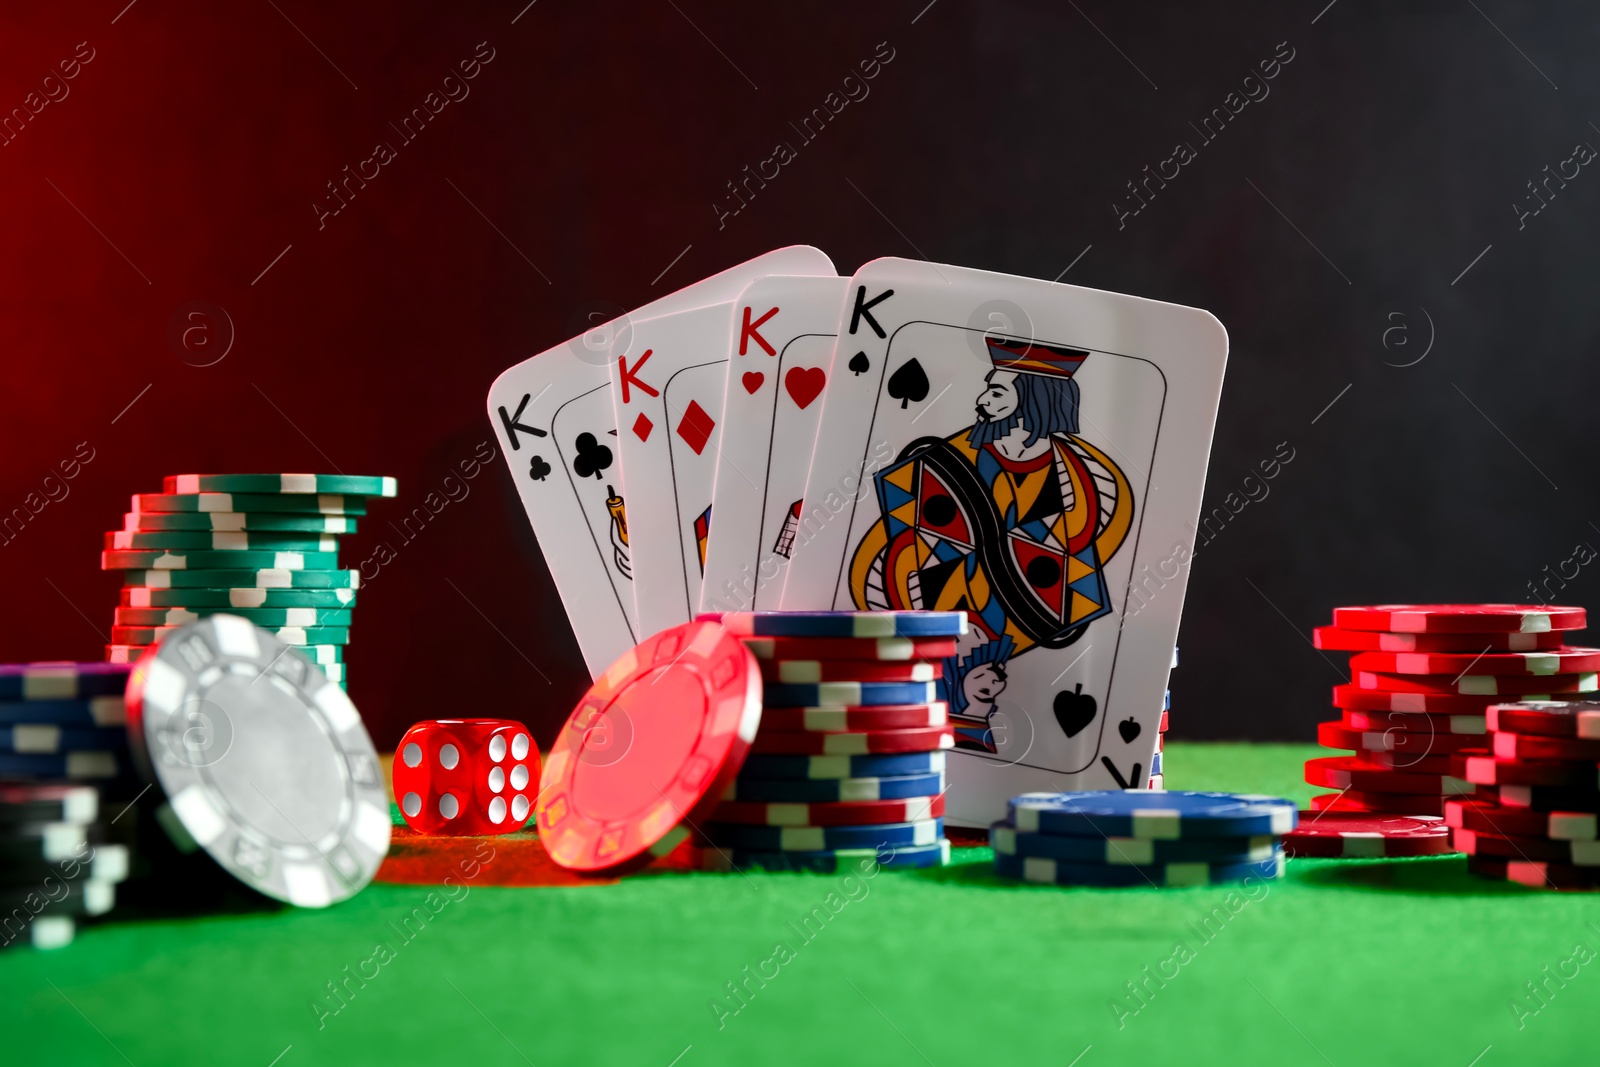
(264, 761)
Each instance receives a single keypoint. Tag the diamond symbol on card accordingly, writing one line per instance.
(695, 427)
(642, 427)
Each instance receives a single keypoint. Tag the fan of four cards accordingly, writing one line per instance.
(916, 437)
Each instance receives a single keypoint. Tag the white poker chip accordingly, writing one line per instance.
(264, 762)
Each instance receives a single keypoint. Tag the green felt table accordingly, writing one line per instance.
(1345, 962)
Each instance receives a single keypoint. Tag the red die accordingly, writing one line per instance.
(466, 776)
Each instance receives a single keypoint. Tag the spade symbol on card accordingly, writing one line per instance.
(1129, 729)
(909, 383)
(592, 458)
(1075, 709)
(859, 363)
(538, 468)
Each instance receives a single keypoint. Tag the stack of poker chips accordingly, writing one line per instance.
(1141, 837)
(260, 546)
(1422, 677)
(1534, 818)
(63, 757)
(849, 759)
(1157, 762)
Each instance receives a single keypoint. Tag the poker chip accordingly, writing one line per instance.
(24, 804)
(50, 739)
(1537, 849)
(1565, 660)
(1459, 618)
(852, 649)
(1130, 851)
(161, 560)
(107, 863)
(1395, 740)
(842, 719)
(151, 522)
(61, 681)
(1514, 746)
(1535, 874)
(842, 623)
(824, 862)
(1414, 761)
(1480, 684)
(311, 833)
(347, 484)
(220, 541)
(1371, 801)
(46, 842)
(1438, 724)
(819, 838)
(1576, 719)
(249, 503)
(846, 813)
(1353, 698)
(88, 712)
(1143, 813)
(69, 766)
(322, 655)
(248, 599)
(822, 768)
(83, 898)
(1333, 639)
(1348, 772)
(289, 635)
(834, 789)
(814, 671)
(241, 576)
(849, 744)
(1055, 872)
(1362, 835)
(1487, 770)
(688, 703)
(264, 617)
(1490, 818)
(1544, 797)
(847, 694)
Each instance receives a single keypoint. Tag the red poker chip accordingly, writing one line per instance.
(1537, 849)
(1487, 817)
(847, 719)
(1459, 618)
(1366, 835)
(1387, 803)
(1467, 727)
(1417, 739)
(652, 744)
(813, 671)
(1486, 770)
(1543, 797)
(1565, 660)
(1353, 698)
(1513, 746)
(806, 743)
(1333, 639)
(1548, 718)
(1480, 684)
(1415, 761)
(1535, 874)
(1163, 727)
(830, 813)
(856, 649)
(1348, 772)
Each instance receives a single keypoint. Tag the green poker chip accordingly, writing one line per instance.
(223, 599)
(249, 503)
(289, 635)
(156, 559)
(268, 618)
(152, 522)
(324, 656)
(350, 484)
(243, 578)
(222, 540)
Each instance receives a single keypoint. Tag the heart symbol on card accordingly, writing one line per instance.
(805, 384)
(1074, 710)
(753, 380)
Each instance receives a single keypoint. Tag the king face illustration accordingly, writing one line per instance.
(1011, 519)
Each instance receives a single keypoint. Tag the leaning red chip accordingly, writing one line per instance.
(1367, 835)
(1460, 618)
(1391, 803)
(653, 743)
(1333, 639)
(1349, 772)
(831, 813)
(801, 742)
(814, 671)
(1548, 718)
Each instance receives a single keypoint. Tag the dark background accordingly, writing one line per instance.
(583, 167)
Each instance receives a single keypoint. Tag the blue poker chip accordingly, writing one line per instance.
(1155, 764)
(842, 623)
(825, 861)
(821, 790)
(1166, 700)
(1130, 851)
(767, 765)
(62, 681)
(91, 711)
(1056, 872)
(44, 738)
(72, 766)
(846, 694)
(823, 838)
(1151, 814)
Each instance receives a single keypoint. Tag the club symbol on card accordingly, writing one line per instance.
(859, 363)
(804, 384)
(538, 468)
(592, 458)
(1075, 710)
(1129, 729)
(909, 383)
(752, 380)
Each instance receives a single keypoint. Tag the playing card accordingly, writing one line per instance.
(1033, 454)
(557, 429)
(779, 368)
